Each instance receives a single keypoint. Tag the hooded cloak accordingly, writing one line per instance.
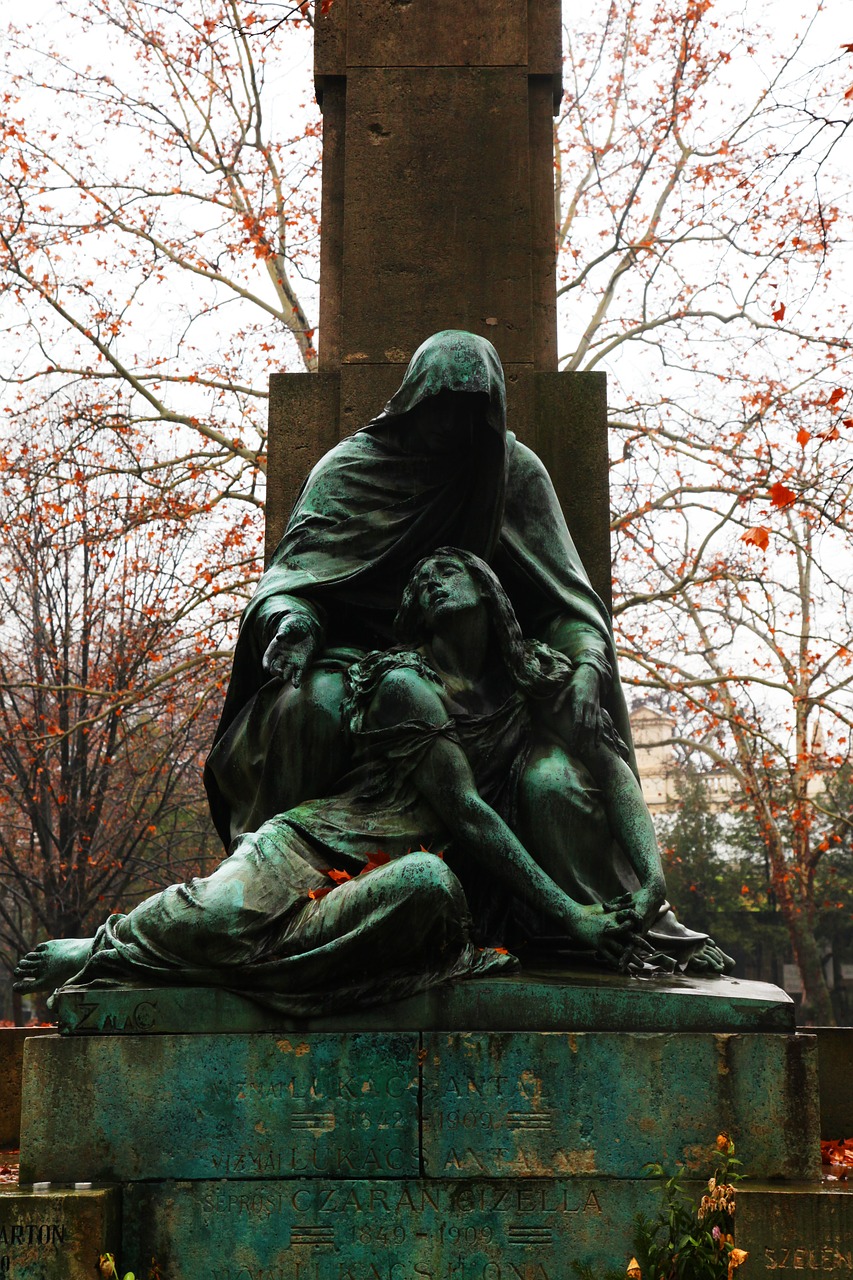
(375, 505)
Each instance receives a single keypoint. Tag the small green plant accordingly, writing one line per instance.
(685, 1241)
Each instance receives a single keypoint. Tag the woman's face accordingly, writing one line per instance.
(446, 588)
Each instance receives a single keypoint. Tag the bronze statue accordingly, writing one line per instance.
(486, 726)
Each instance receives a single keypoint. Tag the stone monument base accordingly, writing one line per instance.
(52, 1233)
(415, 1142)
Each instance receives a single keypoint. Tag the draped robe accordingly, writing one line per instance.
(369, 511)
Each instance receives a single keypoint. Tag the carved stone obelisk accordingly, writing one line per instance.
(438, 213)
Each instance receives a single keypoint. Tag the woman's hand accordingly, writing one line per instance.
(291, 650)
(579, 702)
(600, 929)
(639, 909)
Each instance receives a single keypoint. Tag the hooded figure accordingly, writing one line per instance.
(436, 468)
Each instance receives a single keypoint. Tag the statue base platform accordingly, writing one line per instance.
(413, 1141)
(560, 1000)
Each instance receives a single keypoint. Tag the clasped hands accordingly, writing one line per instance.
(617, 929)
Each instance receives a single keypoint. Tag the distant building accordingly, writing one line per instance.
(660, 767)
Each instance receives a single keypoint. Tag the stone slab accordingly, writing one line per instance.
(406, 1230)
(835, 1065)
(118, 1108)
(806, 1231)
(527, 1001)
(57, 1234)
(11, 1062)
(571, 438)
(599, 1103)
(524, 1001)
(303, 415)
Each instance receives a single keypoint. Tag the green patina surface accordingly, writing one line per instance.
(575, 1000)
(804, 1230)
(121, 1108)
(57, 1234)
(609, 1103)
(406, 1230)
(376, 1105)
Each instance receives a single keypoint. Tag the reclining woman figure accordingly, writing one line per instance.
(462, 735)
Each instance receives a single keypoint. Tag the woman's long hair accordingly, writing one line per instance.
(535, 668)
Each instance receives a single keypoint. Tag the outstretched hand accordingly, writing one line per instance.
(291, 650)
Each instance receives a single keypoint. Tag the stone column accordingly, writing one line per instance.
(438, 213)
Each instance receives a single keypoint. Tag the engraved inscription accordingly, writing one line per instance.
(410, 1198)
(417, 1229)
(312, 1235)
(529, 1120)
(298, 1159)
(313, 1121)
(817, 1258)
(528, 1235)
(31, 1233)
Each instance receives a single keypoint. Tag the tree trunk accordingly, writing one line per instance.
(817, 1008)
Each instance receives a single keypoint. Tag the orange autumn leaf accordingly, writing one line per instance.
(781, 496)
(803, 437)
(316, 894)
(339, 877)
(758, 536)
(736, 1259)
(374, 860)
(836, 395)
(779, 313)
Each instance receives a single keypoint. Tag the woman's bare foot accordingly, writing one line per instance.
(51, 964)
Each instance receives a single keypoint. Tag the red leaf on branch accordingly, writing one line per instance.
(781, 496)
(803, 437)
(779, 313)
(339, 877)
(837, 394)
(758, 536)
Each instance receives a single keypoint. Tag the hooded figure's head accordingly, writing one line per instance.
(451, 365)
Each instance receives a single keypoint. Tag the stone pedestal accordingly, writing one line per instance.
(57, 1233)
(805, 1229)
(425, 1145)
(11, 1063)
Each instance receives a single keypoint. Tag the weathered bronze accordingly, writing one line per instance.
(394, 698)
